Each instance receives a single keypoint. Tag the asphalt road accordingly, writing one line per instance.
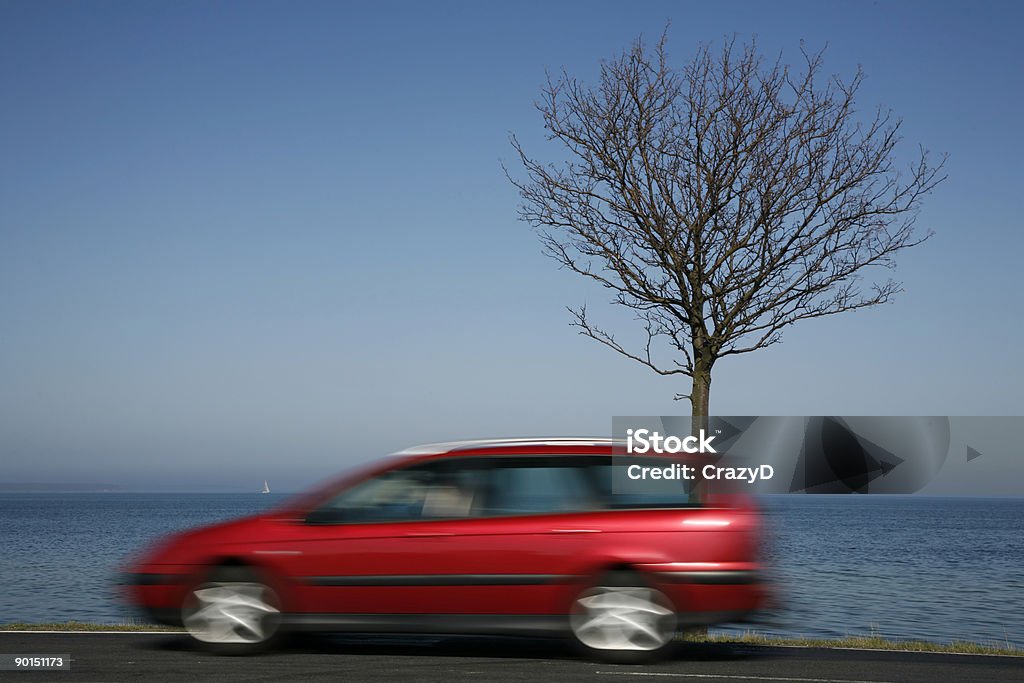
(170, 657)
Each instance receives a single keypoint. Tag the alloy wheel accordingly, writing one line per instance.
(232, 612)
(623, 618)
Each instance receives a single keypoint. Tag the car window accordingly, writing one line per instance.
(618, 492)
(571, 483)
(488, 486)
(432, 491)
(527, 486)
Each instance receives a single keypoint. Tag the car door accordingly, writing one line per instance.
(459, 535)
(521, 549)
(366, 550)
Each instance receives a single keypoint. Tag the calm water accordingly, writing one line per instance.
(905, 567)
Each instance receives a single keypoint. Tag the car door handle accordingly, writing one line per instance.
(575, 531)
(428, 534)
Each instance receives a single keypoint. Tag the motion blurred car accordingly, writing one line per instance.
(504, 537)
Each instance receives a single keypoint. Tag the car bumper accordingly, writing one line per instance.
(158, 593)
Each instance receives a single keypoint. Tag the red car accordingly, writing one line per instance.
(498, 537)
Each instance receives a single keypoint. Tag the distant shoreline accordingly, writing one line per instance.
(43, 487)
(117, 488)
(8, 488)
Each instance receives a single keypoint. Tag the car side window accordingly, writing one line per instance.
(424, 492)
(618, 492)
(488, 486)
(519, 486)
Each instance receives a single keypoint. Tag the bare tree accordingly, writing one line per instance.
(722, 201)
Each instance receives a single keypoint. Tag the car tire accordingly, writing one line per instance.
(234, 611)
(620, 618)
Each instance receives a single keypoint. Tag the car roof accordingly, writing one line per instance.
(478, 445)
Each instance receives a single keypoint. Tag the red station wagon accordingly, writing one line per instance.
(511, 537)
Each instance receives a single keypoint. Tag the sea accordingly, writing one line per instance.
(902, 567)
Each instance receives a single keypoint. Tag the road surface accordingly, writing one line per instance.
(170, 657)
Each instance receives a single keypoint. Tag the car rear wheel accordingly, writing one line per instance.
(233, 612)
(623, 619)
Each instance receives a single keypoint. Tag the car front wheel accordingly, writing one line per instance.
(233, 612)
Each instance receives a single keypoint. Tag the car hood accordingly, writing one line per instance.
(194, 545)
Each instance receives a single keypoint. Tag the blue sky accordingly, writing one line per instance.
(248, 240)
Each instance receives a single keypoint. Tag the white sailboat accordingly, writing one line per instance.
(266, 487)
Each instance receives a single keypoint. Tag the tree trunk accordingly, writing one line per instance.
(699, 402)
(699, 395)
